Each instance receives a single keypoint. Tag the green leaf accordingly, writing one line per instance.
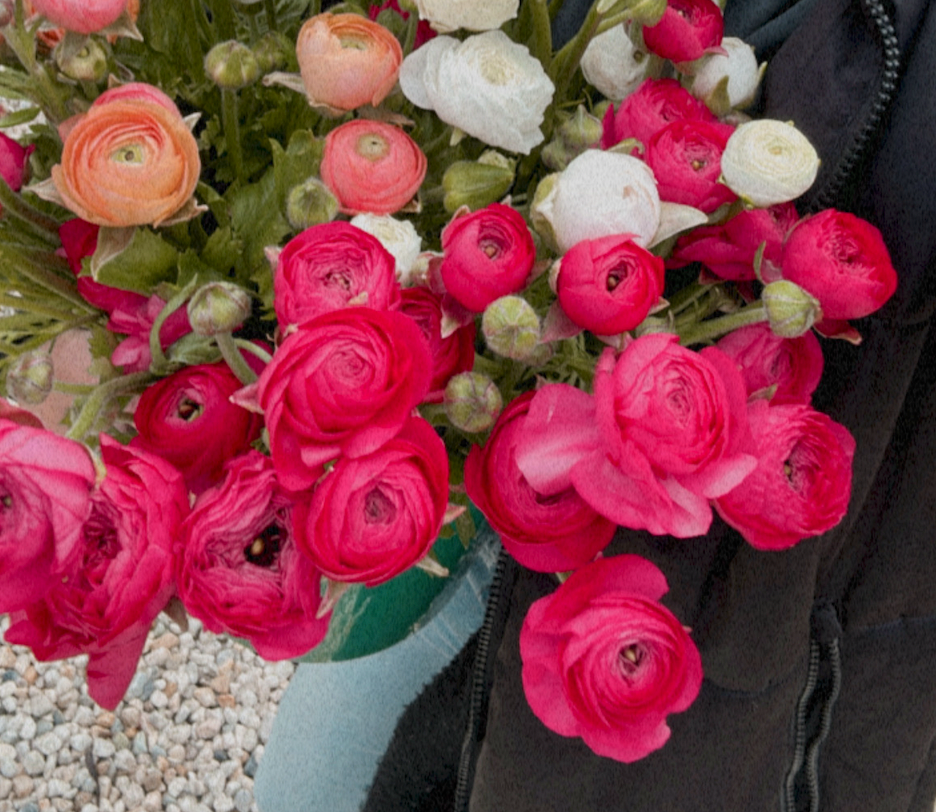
(133, 259)
(299, 161)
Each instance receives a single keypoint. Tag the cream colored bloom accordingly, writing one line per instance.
(488, 86)
(767, 162)
(737, 72)
(613, 64)
(598, 194)
(475, 15)
(399, 237)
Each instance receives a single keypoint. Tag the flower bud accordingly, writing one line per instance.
(576, 134)
(790, 309)
(86, 64)
(472, 402)
(475, 184)
(232, 65)
(30, 378)
(726, 81)
(218, 307)
(647, 12)
(272, 51)
(511, 327)
(309, 204)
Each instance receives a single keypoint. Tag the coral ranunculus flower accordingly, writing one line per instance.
(128, 162)
(81, 16)
(372, 167)
(347, 61)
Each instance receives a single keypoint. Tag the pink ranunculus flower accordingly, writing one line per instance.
(342, 384)
(547, 534)
(134, 316)
(646, 111)
(792, 365)
(665, 433)
(13, 158)
(329, 266)
(81, 16)
(450, 355)
(239, 570)
(374, 516)
(371, 166)
(189, 420)
(605, 661)
(487, 254)
(688, 30)
(842, 261)
(610, 284)
(802, 483)
(685, 157)
(45, 498)
(729, 250)
(122, 578)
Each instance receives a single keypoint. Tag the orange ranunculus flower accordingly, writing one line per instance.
(372, 167)
(131, 161)
(347, 60)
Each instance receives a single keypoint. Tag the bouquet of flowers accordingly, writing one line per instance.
(285, 291)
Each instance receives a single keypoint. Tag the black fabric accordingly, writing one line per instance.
(753, 613)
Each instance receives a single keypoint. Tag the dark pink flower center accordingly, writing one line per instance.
(379, 508)
(629, 660)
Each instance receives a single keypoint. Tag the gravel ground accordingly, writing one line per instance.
(187, 737)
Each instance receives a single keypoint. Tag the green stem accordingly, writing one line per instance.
(33, 264)
(232, 131)
(158, 357)
(542, 34)
(101, 396)
(412, 27)
(707, 331)
(234, 359)
(254, 349)
(269, 6)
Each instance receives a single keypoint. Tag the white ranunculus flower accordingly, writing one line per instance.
(767, 162)
(399, 237)
(598, 194)
(613, 64)
(738, 68)
(487, 85)
(475, 15)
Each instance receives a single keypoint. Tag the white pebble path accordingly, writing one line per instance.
(187, 737)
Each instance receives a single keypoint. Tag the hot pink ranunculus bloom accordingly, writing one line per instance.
(605, 661)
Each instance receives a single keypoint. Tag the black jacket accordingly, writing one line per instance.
(820, 661)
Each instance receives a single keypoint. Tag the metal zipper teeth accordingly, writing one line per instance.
(478, 684)
(799, 748)
(825, 723)
(890, 76)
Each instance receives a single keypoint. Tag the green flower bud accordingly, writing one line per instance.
(309, 204)
(30, 378)
(577, 133)
(790, 309)
(232, 65)
(540, 222)
(272, 51)
(472, 402)
(475, 184)
(85, 64)
(218, 307)
(511, 327)
(647, 12)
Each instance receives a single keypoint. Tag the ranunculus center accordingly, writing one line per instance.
(372, 146)
(615, 276)
(337, 279)
(844, 250)
(353, 42)
(496, 70)
(798, 468)
(189, 409)
(629, 659)
(129, 154)
(679, 401)
(378, 508)
(263, 550)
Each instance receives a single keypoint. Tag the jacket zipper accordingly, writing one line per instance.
(491, 628)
